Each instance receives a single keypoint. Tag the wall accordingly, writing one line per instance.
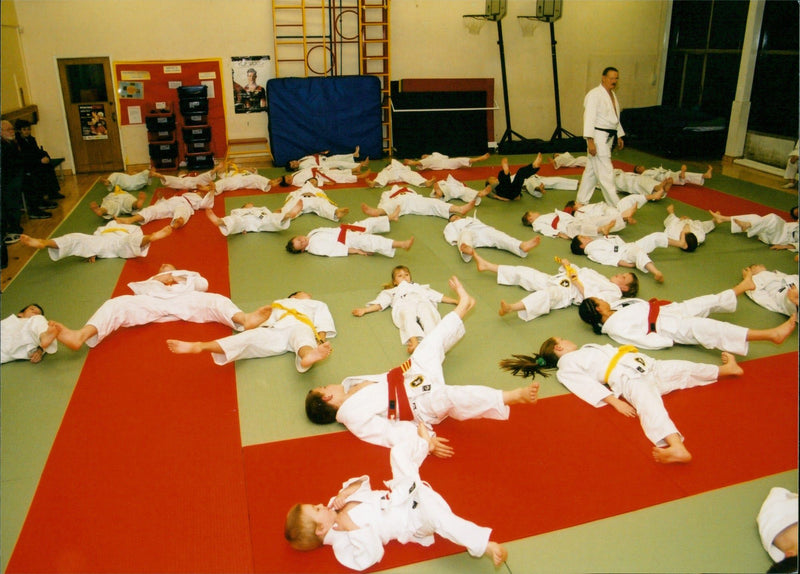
(12, 73)
(428, 40)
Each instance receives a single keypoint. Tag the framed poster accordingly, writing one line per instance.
(250, 75)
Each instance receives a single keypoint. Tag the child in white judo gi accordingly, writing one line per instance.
(357, 239)
(239, 180)
(396, 172)
(314, 200)
(359, 521)
(613, 250)
(118, 202)
(777, 527)
(771, 229)
(413, 305)
(450, 188)
(466, 233)
(178, 208)
(570, 286)
(681, 177)
(566, 159)
(438, 161)
(417, 389)
(658, 324)
(604, 375)
(400, 200)
(322, 159)
(646, 186)
(250, 218)
(691, 232)
(27, 336)
(108, 241)
(170, 295)
(774, 290)
(188, 182)
(297, 324)
(127, 181)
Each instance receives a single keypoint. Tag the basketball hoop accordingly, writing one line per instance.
(528, 25)
(474, 23)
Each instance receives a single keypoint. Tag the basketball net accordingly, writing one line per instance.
(474, 24)
(528, 25)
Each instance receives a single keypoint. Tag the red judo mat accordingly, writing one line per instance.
(530, 475)
(145, 474)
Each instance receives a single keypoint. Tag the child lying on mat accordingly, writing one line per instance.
(413, 306)
(358, 521)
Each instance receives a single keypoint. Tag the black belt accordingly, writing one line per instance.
(611, 132)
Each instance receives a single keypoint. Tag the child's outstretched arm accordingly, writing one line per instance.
(620, 406)
(341, 497)
(361, 311)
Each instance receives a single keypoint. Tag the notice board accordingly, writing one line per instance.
(142, 86)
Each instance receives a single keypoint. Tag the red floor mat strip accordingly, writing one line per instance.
(145, 474)
(531, 475)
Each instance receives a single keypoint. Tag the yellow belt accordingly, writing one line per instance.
(115, 229)
(300, 317)
(623, 350)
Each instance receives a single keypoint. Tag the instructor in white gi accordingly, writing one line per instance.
(601, 127)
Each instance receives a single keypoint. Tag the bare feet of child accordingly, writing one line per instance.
(522, 395)
(315, 355)
(729, 367)
(496, 552)
(674, 453)
(526, 246)
(96, 208)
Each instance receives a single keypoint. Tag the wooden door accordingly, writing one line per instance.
(88, 92)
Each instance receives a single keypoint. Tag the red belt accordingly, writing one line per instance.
(317, 173)
(555, 221)
(344, 228)
(655, 309)
(400, 191)
(399, 407)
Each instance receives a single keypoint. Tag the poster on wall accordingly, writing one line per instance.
(93, 122)
(250, 75)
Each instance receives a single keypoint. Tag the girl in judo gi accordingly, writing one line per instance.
(413, 306)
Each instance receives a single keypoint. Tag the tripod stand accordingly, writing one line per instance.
(509, 133)
(559, 131)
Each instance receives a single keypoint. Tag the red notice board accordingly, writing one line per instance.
(144, 84)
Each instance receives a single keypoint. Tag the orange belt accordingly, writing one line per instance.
(400, 191)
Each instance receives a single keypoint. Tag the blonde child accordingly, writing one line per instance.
(358, 521)
(413, 306)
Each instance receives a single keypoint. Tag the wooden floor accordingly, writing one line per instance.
(76, 186)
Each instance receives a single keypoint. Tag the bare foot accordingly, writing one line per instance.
(183, 347)
(526, 246)
(365, 175)
(481, 263)
(372, 211)
(496, 552)
(437, 191)
(729, 368)
(658, 276)
(683, 172)
(504, 164)
(716, 216)
(322, 351)
(747, 283)
(485, 191)
(745, 225)
(505, 309)
(466, 249)
(412, 344)
(341, 212)
(553, 160)
(671, 209)
(465, 300)
(606, 229)
(406, 244)
(370, 182)
(522, 395)
(395, 215)
(708, 173)
(177, 223)
(672, 454)
(782, 331)
(429, 182)
(538, 161)
(68, 337)
(464, 209)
